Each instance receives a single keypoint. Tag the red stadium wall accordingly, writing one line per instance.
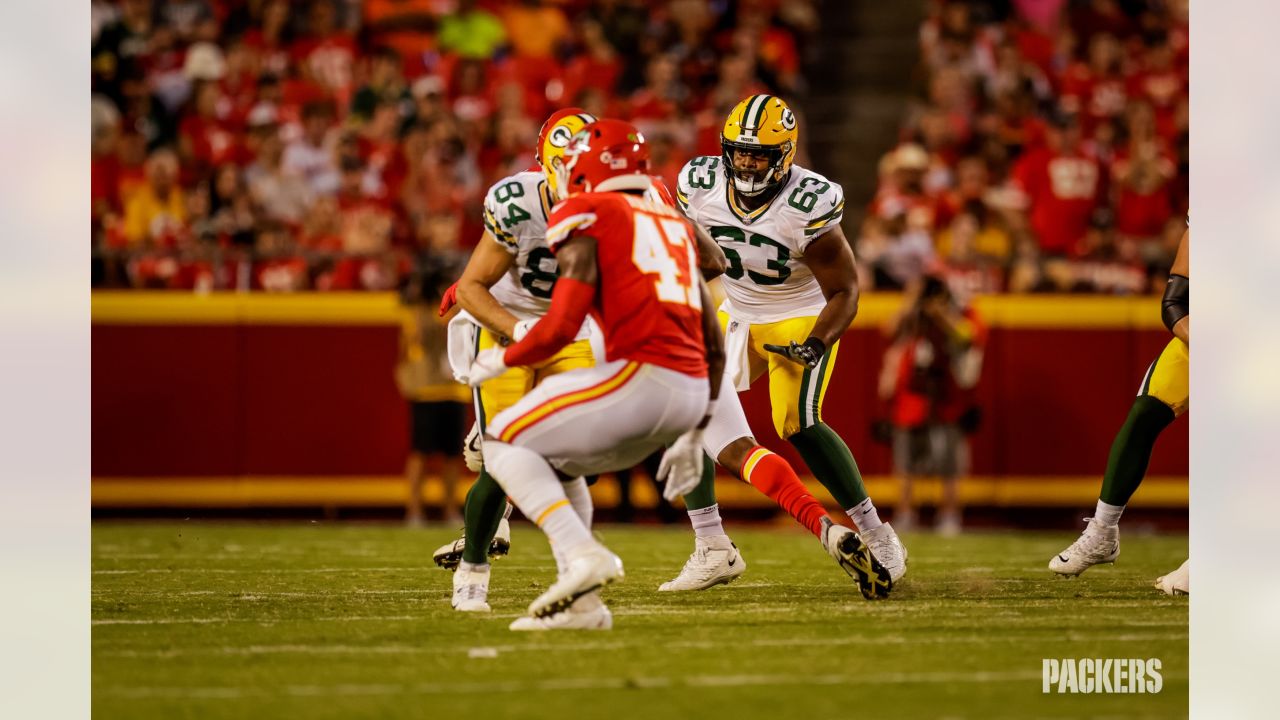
(229, 386)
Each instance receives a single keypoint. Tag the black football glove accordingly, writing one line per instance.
(807, 354)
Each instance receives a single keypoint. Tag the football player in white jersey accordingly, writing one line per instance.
(791, 293)
(505, 288)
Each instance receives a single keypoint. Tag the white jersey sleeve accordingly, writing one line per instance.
(698, 180)
(767, 279)
(821, 203)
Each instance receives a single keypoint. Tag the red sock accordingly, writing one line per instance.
(774, 477)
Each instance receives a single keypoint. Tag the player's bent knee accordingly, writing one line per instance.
(1176, 405)
(735, 454)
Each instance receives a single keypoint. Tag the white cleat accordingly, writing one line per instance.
(1096, 545)
(471, 590)
(587, 570)
(449, 555)
(715, 561)
(587, 613)
(1177, 582)
(888, 549)
(855, 558)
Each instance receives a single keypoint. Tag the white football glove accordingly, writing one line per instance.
(522, 328)
(471, 450)
(487, 366)
(681, 466)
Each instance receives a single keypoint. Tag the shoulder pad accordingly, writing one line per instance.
(699, 175)
(818, 200)
(510, 204)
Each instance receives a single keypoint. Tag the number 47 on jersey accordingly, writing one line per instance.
(664, 249)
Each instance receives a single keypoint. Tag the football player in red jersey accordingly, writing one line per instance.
(631, 263)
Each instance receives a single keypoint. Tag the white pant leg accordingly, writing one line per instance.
(605, 418)
(728, 423)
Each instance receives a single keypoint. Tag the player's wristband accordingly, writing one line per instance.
(1176, 303)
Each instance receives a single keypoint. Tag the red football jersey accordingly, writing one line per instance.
(648, 300)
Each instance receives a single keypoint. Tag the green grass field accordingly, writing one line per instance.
(195, 620)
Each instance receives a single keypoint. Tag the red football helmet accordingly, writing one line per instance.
(604, 156)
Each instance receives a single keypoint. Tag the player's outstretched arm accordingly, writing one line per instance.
(831, 260)
(1175, 308)
(486, 267)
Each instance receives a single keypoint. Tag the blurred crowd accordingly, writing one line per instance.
(282, 145)
(1046, 150)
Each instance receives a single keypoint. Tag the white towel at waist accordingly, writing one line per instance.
(463, 330)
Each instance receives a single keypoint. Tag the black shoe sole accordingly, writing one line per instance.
(449, 561)
(562, 605)
(872, 577)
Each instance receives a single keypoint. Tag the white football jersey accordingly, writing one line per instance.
(515, 214)
(766, 280)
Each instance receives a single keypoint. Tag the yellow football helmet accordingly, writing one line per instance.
(554, 138)
(760, 125)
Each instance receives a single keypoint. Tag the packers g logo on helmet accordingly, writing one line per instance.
(556, 134)
(761, 124)
(559, 136)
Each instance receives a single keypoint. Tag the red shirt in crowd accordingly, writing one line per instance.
(213, 142)
(1095, 97)
(1063, 189)
(1144, 205)
(330, 61)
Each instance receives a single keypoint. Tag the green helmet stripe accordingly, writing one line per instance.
(747, 126)
(759, 110)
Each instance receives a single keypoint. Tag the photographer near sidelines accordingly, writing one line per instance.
(693, 358)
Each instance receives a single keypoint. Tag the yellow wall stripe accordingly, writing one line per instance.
(391, 491)
(522, 423)
(110, 307)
